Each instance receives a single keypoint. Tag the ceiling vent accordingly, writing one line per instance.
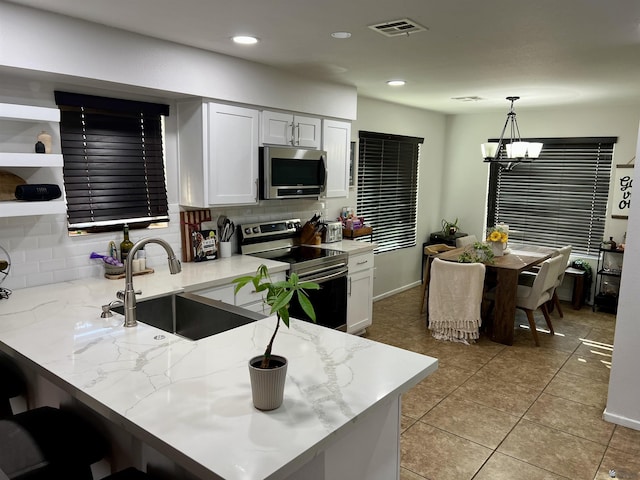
(396, 28)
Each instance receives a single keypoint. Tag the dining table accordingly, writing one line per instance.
(504, 271)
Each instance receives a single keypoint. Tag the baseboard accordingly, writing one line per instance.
(397, 290)
(624, 421)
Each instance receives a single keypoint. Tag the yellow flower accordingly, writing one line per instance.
(495, 236)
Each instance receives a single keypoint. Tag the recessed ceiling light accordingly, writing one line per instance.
(341, 35)
(396, 83)
(245, 40)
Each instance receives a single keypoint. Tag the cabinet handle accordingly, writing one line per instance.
(362, 262)
(349, 286)
(296, 134)
(293, 135)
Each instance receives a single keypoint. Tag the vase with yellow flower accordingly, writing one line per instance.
(498, 236)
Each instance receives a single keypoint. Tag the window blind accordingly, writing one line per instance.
(388, 187)
(113, 161)
(558, 199)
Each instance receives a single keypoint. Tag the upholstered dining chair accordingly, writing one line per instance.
(430, 251)
(530, 298)
(464, 241)
(527, 278)
(455, 299)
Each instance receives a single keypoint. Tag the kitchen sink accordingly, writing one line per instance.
(190, 315)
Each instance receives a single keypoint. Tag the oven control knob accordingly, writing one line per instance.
(256, 229)
(289, 225)
(247, 231)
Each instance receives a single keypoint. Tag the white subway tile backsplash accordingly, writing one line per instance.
(42, 252)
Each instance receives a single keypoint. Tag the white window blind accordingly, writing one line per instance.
(558, 199)
(113, 161)
(388, 187)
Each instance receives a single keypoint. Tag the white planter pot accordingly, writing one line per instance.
(267, 384)
(498, 248)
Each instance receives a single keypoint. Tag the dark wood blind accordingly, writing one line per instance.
(113, 161)
(558, 199)
(388, 187)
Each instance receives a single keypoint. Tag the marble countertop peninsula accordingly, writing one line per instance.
(191, 400)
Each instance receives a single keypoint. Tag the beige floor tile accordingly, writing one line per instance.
(572, 417)
(626, 439)
(580, 389)
(484, 425)
(498, 393)
(409, 475)
(553, 450)
(405, 422)
(537, 355)
(439, 455)
(430, 391)
(502, 467)
(519, 371)
(587, 364)
(626, 465)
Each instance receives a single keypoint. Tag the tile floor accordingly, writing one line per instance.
(493, 412)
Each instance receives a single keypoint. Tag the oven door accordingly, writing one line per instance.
(329, 301)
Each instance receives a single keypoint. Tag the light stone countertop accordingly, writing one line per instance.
(191, 400)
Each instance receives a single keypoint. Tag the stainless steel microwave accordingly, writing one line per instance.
(290, 172)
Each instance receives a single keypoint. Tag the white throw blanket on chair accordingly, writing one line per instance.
(455, 298)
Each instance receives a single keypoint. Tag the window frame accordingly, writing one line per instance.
(540, 217)
(388, 165)
(114, 166)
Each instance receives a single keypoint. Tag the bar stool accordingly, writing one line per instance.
(47, 442)
(12, 384)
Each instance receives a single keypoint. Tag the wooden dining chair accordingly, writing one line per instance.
(430, 251)
(455, 298)
(530, 298)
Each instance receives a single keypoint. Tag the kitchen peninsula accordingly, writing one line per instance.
(186, 405)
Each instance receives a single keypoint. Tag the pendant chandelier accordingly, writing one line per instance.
(517, 151)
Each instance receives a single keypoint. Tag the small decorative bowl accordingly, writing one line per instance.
(113, 269)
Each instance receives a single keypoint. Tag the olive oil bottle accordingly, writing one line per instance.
(125, 245)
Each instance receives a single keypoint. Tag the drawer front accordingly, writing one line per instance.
(224, 293)
(362, 261)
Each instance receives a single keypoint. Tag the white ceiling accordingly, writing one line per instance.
(548, 52)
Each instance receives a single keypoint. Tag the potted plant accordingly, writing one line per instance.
(479, 252)
(267, 371)
(450, 228)
(498, 237)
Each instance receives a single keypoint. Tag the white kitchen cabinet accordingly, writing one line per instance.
(218, 154)
(336, 141)
(222, 293)
(245, 298)
(360, 292)
(281, 128)
(19, 126)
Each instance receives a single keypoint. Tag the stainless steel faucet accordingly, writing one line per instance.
(128, 295)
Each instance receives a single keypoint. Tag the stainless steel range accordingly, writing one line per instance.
(280, 240)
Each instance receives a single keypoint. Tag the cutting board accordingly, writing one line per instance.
(8, 184)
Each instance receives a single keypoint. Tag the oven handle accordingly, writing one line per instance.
(324, 278)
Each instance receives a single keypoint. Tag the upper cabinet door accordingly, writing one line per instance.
(233, 155)
(277, 128)
(337, 143)
(306, 132)
(280, 128)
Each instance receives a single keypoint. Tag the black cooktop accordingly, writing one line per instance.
(298, 254)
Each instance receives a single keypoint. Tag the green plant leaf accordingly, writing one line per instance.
(306, 305)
